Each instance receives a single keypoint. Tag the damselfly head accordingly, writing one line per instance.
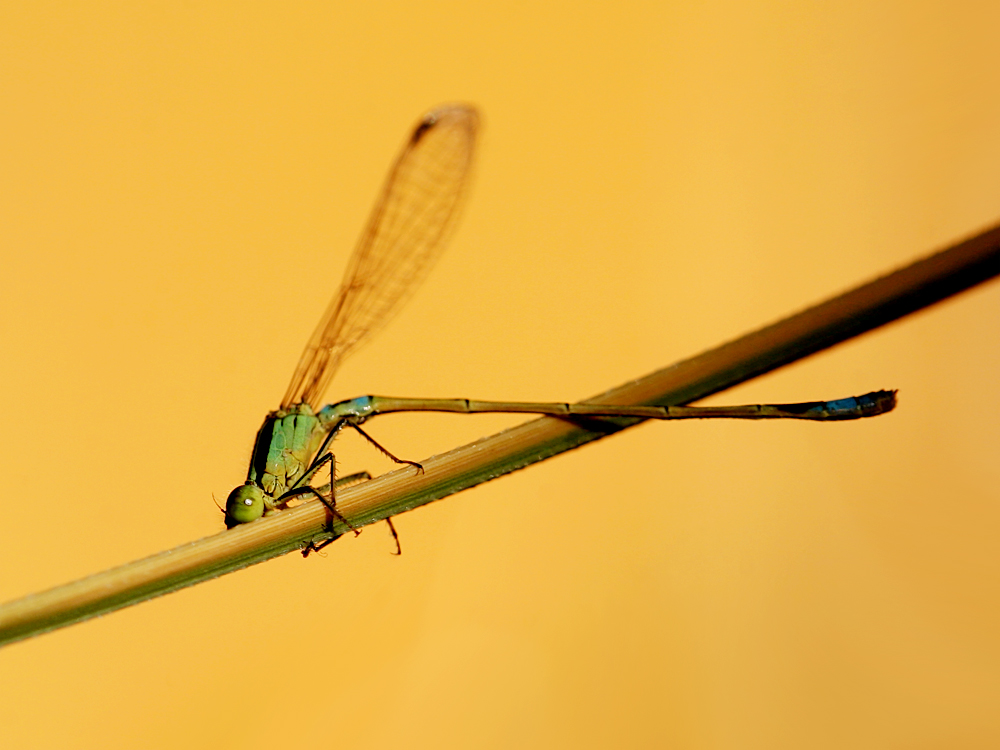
(244, 504)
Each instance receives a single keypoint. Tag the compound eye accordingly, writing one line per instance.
(244, 504)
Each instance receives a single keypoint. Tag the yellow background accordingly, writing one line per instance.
(180, 185)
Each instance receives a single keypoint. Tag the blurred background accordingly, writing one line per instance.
(181, 187)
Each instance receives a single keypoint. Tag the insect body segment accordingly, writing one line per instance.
(244, 504)
(286, 444)
(285, 447)
(357, 409)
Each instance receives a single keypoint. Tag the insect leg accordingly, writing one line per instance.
(395, 536)
(385, 452)
(420, 469)
(359, 476)
(356, 477)
(308, 489)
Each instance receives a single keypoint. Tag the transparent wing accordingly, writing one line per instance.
(404, 236)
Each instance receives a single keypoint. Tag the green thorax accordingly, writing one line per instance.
(286, 444)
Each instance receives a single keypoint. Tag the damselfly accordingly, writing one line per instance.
(407, 230)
